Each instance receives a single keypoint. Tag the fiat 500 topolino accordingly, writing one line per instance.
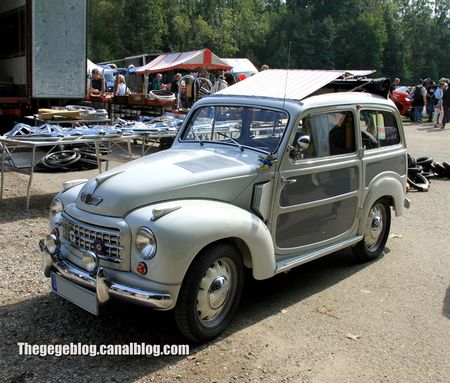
(250, 182)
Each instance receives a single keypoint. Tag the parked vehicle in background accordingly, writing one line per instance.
(259, 183)
(241, 68)
(403, 101)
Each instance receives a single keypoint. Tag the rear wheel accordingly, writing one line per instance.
(210, 293)
(376, 232)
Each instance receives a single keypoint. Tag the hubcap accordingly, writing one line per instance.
(216, 288)
(218, 292)
(375, 224)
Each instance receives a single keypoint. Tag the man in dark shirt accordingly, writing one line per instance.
(174, 83)
(96, 82)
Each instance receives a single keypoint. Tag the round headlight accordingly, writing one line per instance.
(56, 207)
(145, 243)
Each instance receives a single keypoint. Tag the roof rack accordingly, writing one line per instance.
(379, 86)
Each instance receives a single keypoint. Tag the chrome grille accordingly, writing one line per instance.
(83, 237)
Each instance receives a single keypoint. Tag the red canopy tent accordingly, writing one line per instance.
(203, 58)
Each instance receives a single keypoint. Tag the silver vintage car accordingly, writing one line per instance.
(256, 183)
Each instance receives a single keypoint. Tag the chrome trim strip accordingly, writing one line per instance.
(104, 287)
(110, 259)
(307, 205)
(287, 264)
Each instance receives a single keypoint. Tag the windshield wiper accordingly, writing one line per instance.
(200, 141)
(241, 148)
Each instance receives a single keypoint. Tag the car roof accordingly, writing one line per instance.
(322, 100)
(344, 98)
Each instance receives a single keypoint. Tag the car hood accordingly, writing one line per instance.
(169, 175)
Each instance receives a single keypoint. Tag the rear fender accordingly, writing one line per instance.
(391, 187)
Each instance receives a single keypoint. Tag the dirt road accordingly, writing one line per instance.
(328, 321)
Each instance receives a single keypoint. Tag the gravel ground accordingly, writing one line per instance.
(330, 320)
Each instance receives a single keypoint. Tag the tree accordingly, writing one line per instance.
(399, 38)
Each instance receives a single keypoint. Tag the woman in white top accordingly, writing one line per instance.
(122, 89)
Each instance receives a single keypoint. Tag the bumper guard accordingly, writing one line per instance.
(101, 283)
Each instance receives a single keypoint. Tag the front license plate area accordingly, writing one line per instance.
(78, 295)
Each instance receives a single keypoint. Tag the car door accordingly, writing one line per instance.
(317, 197)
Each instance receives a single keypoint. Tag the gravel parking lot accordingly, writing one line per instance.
(329, 321)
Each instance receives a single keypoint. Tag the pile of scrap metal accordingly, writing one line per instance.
(52, 132)
(71, 153)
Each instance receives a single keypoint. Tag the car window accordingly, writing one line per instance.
(257, 128)
(328, 134)
(378, 129)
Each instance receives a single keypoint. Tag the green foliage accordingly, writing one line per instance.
(399, 38)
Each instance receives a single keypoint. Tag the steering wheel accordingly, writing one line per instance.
(368, 141)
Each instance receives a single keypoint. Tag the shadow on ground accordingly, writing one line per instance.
(15, 208)
(50, 319)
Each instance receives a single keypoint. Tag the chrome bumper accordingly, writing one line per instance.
(101, 284)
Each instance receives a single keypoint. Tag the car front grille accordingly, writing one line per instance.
(105, 242)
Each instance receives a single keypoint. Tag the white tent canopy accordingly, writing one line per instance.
(90, 66)
(241, 65)
(294, 84)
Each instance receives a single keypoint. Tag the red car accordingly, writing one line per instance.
(403, 101)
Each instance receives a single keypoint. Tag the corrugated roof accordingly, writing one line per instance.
(294, 84)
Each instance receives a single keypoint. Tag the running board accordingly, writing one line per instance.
(287, 264)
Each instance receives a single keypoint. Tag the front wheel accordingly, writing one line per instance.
(376, 232)
(210, 293)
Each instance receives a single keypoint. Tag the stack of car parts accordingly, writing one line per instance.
(422, 169)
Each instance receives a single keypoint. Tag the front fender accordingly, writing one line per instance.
(183, 233)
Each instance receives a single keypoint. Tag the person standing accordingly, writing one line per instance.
(445, 105)
(431, 100)
(174, 84)
(395, 84)
(220, 84)
(438, 109)
(419, 95)
(157, 82)
(122, 89)
(97, 86)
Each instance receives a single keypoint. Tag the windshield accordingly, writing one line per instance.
(243, 126)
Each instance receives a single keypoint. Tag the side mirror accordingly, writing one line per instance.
(297, 152)
(303, 143)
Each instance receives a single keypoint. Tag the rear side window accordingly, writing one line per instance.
(378, 129)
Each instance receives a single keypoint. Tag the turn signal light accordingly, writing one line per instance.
(141, 268)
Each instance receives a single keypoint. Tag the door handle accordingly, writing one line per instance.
(286, 181)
